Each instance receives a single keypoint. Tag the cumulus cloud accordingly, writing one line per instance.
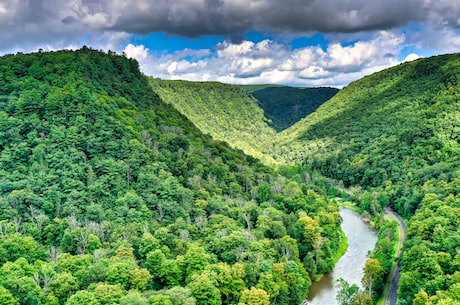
(271, 62)
(27, 25)
(411, 57)
(140, 53)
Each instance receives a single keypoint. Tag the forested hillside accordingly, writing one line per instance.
(396, 134)
(110, 196)
(224, 111)
(285, 106)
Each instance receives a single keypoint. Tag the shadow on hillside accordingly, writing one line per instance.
(285, 106)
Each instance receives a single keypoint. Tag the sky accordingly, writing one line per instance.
(291, 42)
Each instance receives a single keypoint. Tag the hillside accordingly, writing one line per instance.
(225, 112)
(285, 106)
(108, 195)
(396, 134)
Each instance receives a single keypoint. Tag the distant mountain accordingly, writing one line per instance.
(225, 112)
(379, 127)
(285, 106)
(246, 116)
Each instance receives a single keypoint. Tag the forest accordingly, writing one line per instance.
(221, 110)
(285, 106)
(394, 137)
(111, 196)
(116, 188)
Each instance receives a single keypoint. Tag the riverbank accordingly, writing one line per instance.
(361, 239)
(389, 294)
(342, 248)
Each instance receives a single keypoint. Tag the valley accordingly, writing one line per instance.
(117, 188)
(393, 136)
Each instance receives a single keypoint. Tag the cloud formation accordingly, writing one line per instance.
(193, 18)
(376, 27)
(271, 62)
(229, 18)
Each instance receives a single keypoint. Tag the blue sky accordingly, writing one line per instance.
(292, 42)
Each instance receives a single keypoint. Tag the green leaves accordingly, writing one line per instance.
(110, 196)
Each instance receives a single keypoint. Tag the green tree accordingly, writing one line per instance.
(108, 294)
(82, 297)
(421, 298)
(362, 298)
(134, 298)
(267, 283)
(196, 260)
(153, 263)
(229, 281)
(63, 285)
(345, 292)
(255, 296)
(203, 288)
(139, 278)
(6, 297)
(180, 295)
(25, 290)
(160, 299)
(119, 272)
(373, 277)
(16, 245)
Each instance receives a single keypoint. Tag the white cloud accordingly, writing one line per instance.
(270, 62)
(50, 21)
(140, 53)
(411, 57)
(97, 21)
(374, 26)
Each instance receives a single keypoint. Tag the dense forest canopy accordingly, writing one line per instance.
(393, 137)
(396, 134)
(285, 106)
(225, 112)
(111, 196)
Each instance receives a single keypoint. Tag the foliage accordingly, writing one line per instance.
(345, 292)
(285, 106)
(221, 110)
(395, 135)
(110, 196)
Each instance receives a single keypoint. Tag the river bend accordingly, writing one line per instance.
(361, 240)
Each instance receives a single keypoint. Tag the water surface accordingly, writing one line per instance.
(361, 240)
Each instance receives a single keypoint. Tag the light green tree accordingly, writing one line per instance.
(134, 298)
(139, 278)
(203, 288)
(255, 296)
(6, 298)
(62, 285)
(83, 297)
(108, 294)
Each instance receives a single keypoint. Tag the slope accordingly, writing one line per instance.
(396, 134)
(224, 111)
(110, 196)
(285, 106)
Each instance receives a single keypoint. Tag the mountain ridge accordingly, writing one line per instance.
(394, 136)
(245, 116)
(111, 196)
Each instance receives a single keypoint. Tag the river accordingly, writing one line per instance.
(361, 240)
